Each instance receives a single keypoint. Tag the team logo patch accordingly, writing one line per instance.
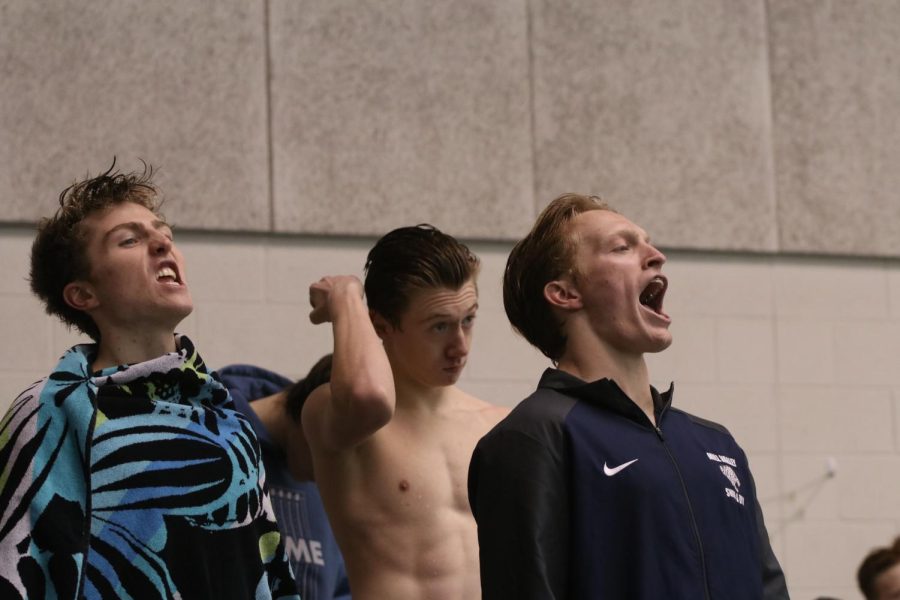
(727, 466)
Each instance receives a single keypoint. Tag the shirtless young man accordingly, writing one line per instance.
(392, 436)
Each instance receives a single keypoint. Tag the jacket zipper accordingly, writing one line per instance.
(687, 499)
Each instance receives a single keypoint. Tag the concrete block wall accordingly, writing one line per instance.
(793, 355)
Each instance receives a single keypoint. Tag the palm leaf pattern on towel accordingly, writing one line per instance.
(162, 461)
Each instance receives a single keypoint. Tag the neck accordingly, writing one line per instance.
(414, 396)
(130, 347)
(271, 413)
(629, 371)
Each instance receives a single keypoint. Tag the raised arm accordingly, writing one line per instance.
(360, 399)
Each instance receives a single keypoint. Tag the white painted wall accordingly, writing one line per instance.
(796, 356)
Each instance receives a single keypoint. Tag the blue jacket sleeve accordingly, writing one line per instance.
(774, 584)
(518, 495)
(342, 587)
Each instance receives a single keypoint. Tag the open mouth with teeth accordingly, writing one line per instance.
(653, 294)
(168, 275)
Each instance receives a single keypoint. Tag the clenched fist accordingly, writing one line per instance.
(324, 293)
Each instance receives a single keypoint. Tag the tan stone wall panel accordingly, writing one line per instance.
(396, 112)
(179, 84)
(836, 100)
(468, 114)
(662, 108)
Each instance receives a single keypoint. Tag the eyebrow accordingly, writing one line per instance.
(627, 232)
(443, 315)
(136, 226)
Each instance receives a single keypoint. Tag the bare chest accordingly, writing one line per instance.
(416, 474)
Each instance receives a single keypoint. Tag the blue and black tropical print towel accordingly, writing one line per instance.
(137, 481)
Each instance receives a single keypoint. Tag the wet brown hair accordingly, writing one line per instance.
(410, 259)
(298, 392)
(545, 254)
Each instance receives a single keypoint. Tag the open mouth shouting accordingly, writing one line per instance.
(653, 294)
(168, 274)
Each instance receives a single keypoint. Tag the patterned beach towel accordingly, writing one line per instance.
(138, 481)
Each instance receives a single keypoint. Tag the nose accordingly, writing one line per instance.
(458, 344)
(655, 258)
(159, 243)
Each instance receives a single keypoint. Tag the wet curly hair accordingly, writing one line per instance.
(59, 250)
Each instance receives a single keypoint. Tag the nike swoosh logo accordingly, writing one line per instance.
(614, 470)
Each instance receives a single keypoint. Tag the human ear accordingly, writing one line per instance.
(381, 325)
(80, 296)
(562, 294)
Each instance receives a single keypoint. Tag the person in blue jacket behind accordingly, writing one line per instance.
(273, 405)
(595, 486)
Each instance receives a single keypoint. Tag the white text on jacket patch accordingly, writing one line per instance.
(726, 465)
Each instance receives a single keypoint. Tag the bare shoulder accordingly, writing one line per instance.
(313, 414)
(487, 413)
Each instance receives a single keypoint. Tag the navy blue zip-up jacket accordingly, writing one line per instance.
(312, 550)
(578, 496)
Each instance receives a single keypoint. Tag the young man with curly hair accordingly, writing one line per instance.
(127, 471)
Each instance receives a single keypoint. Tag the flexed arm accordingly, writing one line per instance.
(361, 398)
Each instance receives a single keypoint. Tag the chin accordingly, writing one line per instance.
(181, 313)
(186, 308)
(446, 379)
(659, 344)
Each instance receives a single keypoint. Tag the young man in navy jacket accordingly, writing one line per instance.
(273, 405)
(595, 486)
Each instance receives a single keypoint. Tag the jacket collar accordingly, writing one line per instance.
(606, 393)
